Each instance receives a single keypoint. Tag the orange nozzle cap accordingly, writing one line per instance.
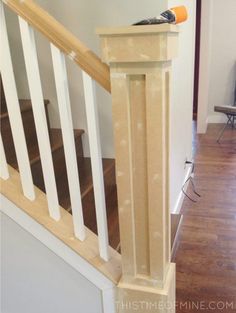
(181, 14)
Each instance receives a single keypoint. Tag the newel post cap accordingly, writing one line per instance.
(148, 43)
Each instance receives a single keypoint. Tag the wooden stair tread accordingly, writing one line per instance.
(84, 166)
(87, 195)
(25, 105)
(88, 202)
(112, 216)
(29, 129)
(85, 175)
(56, 143)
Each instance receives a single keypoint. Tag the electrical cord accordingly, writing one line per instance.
(190, 179)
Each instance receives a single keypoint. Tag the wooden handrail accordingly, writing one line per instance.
(62, 39)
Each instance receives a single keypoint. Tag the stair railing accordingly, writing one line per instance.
(140, 70)
(64, 40)
(63, 44)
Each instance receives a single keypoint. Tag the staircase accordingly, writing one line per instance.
(114, 214)
(84, 166)
(85, 172)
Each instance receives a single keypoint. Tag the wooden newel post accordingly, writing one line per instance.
(140, 60)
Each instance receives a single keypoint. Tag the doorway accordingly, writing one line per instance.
(197, 58)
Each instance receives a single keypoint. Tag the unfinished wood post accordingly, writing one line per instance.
(140, 59)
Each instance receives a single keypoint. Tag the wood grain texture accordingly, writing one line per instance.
(62, 229)
(140, 83)
(206, 253)
(84, 166)
(141, 141)
(29, 129)
(64, 40)
(142, 44)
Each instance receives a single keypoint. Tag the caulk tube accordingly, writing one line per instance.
(175, 15)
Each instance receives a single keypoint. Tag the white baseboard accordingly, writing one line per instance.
(216, 119)
(202, 127)
(180, 199)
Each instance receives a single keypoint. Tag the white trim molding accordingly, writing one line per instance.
(217, 119)
(180, 199)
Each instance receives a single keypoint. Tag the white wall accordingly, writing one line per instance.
(204, 65)
(82, 19)
(223, 57)
(182, 104)
(16, 54)
(35, 280)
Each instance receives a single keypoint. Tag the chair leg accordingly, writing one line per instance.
(231, 118)
(229, 122)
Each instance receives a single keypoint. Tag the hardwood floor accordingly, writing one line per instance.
(206, 247)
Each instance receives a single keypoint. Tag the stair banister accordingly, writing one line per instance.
(96, 163)
(32, 17)
(140, 65)
(10, 90)
(64, 105)
(36, 93)
(63, 39)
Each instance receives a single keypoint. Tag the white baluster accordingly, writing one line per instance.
(63, 99)
(32, 68)
(96, 161)
(14, 113)
(4, 174)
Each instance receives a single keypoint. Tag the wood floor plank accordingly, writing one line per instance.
(206, 253)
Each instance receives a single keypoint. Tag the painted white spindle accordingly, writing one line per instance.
(63, 99)
(96, 162)
(4, 173)
(32, 69)
(9, 86)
